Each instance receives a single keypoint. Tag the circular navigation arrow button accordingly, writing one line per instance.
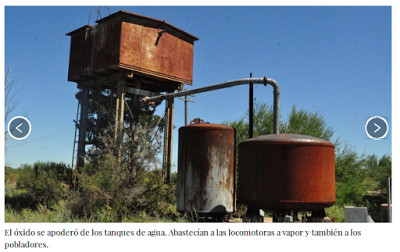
(19, 128)
(376, 127)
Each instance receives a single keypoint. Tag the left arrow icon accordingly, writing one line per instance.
(17, 128)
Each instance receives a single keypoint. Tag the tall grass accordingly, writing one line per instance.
(45, 215)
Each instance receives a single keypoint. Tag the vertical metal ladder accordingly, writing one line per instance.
(76, 140)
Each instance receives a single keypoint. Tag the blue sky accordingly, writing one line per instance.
(331, 60)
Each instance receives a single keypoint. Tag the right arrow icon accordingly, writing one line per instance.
(377, 128)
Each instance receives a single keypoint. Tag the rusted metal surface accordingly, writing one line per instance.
(127, 41)
(287, 172)
(80, 52)
(206, 169)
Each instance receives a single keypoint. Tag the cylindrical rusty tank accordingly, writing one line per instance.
(206, 169)
(287, 172)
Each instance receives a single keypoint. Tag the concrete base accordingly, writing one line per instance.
(357, 214)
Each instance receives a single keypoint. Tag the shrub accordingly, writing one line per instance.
(44, 183)
(121, 179)
(335, 213)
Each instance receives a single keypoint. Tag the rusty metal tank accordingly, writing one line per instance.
(147, 47)
(287, 172)
(206, 169)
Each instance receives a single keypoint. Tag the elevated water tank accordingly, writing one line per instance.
(152, 49)
(206, 169)
(287, 172)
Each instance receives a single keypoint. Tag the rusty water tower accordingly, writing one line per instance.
(130, 56)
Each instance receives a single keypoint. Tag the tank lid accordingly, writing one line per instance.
(82, 29)
(286, 138)
(149, 22)
(199, 123)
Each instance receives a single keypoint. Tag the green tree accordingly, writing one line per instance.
(117, 166)
(116, 177)
(297, 122)
(351, 178)
(43, 183)
(307, 123)
(101, 115)
(361, 180)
